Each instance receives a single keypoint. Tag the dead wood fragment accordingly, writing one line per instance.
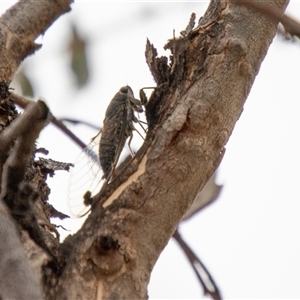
(190, 26)
(48, 166)
(18, 195)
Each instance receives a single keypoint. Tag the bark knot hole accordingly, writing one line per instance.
(106, 245)
(106, 256)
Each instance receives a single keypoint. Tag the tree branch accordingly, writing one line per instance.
(17, 279)
(23, 102)
(291, 26)
(199, 99)
(20, 26)
(191, 115)
(209, 286)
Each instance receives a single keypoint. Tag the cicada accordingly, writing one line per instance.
(118, 127)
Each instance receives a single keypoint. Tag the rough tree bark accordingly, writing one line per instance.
(191, 115)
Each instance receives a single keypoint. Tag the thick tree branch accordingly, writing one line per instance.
(17, 279)
(20, 26)
(291, 26)
(192, 113)
(17, 143)
(17, 129)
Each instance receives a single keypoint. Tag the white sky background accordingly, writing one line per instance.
(249, 238)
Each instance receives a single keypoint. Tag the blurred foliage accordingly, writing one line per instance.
(79, 62)
(23, 82)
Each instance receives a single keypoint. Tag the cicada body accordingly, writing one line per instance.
(118, 127)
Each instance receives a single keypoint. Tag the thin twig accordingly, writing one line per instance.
(80, 122)
(206, 280)
(23, 102)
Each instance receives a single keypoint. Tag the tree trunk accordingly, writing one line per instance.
(199, 97)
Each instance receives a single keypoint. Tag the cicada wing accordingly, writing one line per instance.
(85, 176)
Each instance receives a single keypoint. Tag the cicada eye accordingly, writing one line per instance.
(124, 89)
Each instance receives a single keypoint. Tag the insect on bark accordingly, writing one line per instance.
(118, 127)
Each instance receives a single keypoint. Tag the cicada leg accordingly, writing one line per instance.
(129, 142)
(140, 123)
(136, 120)
(143, 96)
(93, 138)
